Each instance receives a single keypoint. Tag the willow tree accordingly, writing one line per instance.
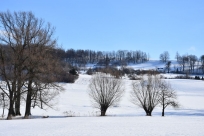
(146, 93)
(105, 91)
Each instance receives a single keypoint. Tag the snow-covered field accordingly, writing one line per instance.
(125, 119)
(105, 126)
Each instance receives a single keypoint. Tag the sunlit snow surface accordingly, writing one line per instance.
(105, 126)
(124, 119)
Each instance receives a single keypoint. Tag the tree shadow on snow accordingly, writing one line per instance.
(183, 112)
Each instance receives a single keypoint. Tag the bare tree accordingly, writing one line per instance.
(164, 57)
(41, 77)
(192, 61)
(25, 57)
(43, 95)
(145, 93)
(12, 56)
(177, 56)
(183, 60)
(105, 91)
(168, 66)
(167, 96)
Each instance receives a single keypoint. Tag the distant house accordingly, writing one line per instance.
(160, 69)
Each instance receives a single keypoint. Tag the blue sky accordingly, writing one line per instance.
(153, 26)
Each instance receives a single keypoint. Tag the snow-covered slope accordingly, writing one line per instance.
(151, 64)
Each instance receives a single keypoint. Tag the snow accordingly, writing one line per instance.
(153, 64)
(122, 119)
(105, 126)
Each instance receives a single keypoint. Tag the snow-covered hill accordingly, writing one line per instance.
(152, 64)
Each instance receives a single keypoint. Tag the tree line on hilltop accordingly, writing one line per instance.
(121, 57)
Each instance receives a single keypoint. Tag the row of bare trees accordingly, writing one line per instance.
(147, 93)
(82, 57)
(151, 91)
(190, 63)
(28, 68)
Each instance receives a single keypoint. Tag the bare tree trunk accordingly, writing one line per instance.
(17, 103)
(148, 113)
(103, 111)
(3, 103)
(28, 105)
(183, 66)
(18, 96)
(163, 94)
(28, 101)
(18, 92)
(163, 111)
(11, 110)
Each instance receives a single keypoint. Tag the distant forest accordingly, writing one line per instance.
(103, 58)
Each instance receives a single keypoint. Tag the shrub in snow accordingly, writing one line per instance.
(133, 77)
(73, 72)
(69, 114)
(197, 77)
(89, 71)
(108, 70)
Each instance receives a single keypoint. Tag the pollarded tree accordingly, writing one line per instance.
(105, 91)
(146, 93)
(167, 96)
